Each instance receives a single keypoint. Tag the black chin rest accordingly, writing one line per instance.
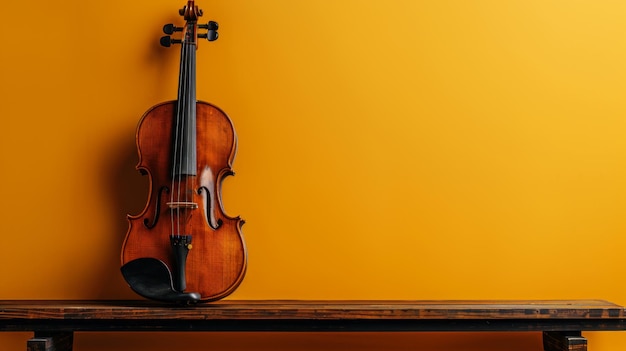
(152, 279)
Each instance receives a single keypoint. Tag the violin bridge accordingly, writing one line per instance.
(182, 204)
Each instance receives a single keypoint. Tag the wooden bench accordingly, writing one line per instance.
(561, 322)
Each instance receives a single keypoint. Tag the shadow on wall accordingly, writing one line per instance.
(128, 191)
(126, 187)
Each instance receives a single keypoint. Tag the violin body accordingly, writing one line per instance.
(182, 247)
(216, 263)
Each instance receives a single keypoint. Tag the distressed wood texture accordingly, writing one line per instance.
(50, 342)
(562, 321)
(564, 341)
(60, 311)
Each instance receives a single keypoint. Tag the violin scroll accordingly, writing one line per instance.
(191, 13)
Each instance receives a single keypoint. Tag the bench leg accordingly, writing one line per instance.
(564, 341)
(50, 341)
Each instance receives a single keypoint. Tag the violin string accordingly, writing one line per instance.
(185, 136)
(187, 155)
(177, 147)
(183, 158)
(183, 153)
(191, 157)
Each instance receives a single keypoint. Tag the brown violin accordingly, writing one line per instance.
(182, 247)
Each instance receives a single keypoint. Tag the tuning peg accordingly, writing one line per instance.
(170, 29)
(210, 36)
(212, 25)
(167, 41)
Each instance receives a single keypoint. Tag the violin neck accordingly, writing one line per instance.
(184, 138)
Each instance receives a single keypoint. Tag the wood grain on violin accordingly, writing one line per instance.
(183, 247)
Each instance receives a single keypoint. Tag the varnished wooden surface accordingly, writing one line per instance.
(561, 321)
(229, 315)
(217, 263)
(317, 310)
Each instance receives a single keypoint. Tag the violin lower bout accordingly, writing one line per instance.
(189, 205)
(215, 264)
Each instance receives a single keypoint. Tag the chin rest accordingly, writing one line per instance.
(152, 279)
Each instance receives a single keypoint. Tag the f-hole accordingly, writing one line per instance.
(157, 209)
(209, 206)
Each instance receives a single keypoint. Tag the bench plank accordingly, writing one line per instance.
(319, 310)
(561, 321)
(231, 315)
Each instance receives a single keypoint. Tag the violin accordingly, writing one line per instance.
(182, 247)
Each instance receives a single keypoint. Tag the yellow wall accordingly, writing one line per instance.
(396, 149)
